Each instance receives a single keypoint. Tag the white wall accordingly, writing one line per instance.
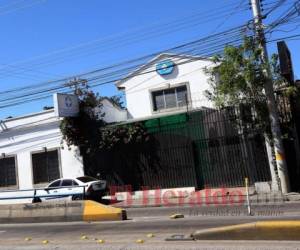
(21, 136)
(112, 113)
(137, 89)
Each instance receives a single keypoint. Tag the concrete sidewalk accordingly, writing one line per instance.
(62, 211)
(204, 199)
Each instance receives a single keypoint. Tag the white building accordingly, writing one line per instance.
(168, 83)
(31, 154)
(112, 112)
(30, 146)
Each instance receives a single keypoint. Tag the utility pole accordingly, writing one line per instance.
(271, 102)
(74, 84)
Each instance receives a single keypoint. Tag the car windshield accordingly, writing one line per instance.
(86, 179)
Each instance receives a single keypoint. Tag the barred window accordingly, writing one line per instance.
(169, 98)
(8, 172)
(45, 166)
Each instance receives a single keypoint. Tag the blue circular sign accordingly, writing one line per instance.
(165, 67)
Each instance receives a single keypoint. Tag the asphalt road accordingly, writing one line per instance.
(123, 234)
(279, 209)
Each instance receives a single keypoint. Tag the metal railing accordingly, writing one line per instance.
(35, 194)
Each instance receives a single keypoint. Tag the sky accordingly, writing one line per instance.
(44, 40)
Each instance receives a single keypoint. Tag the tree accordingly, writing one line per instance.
(117, 100)
(47, 107)
(238, 77)
(95, 138)
(84, 130)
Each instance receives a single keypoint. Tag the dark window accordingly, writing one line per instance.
(8, 172)
(86, 179)
(66, 183)
(158, 100)
(181, 93)
(55, 184)
(45, 166)
(169, 98)
(75, 183)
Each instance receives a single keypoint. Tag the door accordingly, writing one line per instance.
(70, 188)
(53, 190)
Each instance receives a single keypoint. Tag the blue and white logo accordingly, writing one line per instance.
(68, 102)
(66, 105)
(165, 67)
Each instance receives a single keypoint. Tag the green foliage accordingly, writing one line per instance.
(291, 91)
(94, 137)
(83, 130)
(123, 135)
(90, 132)
(117, 100)
(238, 77)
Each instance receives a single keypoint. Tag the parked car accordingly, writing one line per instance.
(84, 187)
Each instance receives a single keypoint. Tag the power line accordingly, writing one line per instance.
(24, 100)
(6, 9)
(273, 8)
(113, 42)
(120, 72)
(105, 76)
(229, 16)
(285, 17)
(84, 75)
(91, 80)
(284, 38)
(209, 39)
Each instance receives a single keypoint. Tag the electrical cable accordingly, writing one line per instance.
(115, 40)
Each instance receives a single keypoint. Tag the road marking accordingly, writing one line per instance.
(2, 232)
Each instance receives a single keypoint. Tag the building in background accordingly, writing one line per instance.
(31, 153)
(167, 84)
(112, 112)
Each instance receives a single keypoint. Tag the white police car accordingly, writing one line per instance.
(84, 187)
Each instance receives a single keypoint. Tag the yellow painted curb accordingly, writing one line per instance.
(176, 216)
(278, 224)
(94, 211)
(84, 237)
(261, 230)
(150, 235)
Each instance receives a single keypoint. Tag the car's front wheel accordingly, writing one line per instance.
(76, 197)
(36, 200)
